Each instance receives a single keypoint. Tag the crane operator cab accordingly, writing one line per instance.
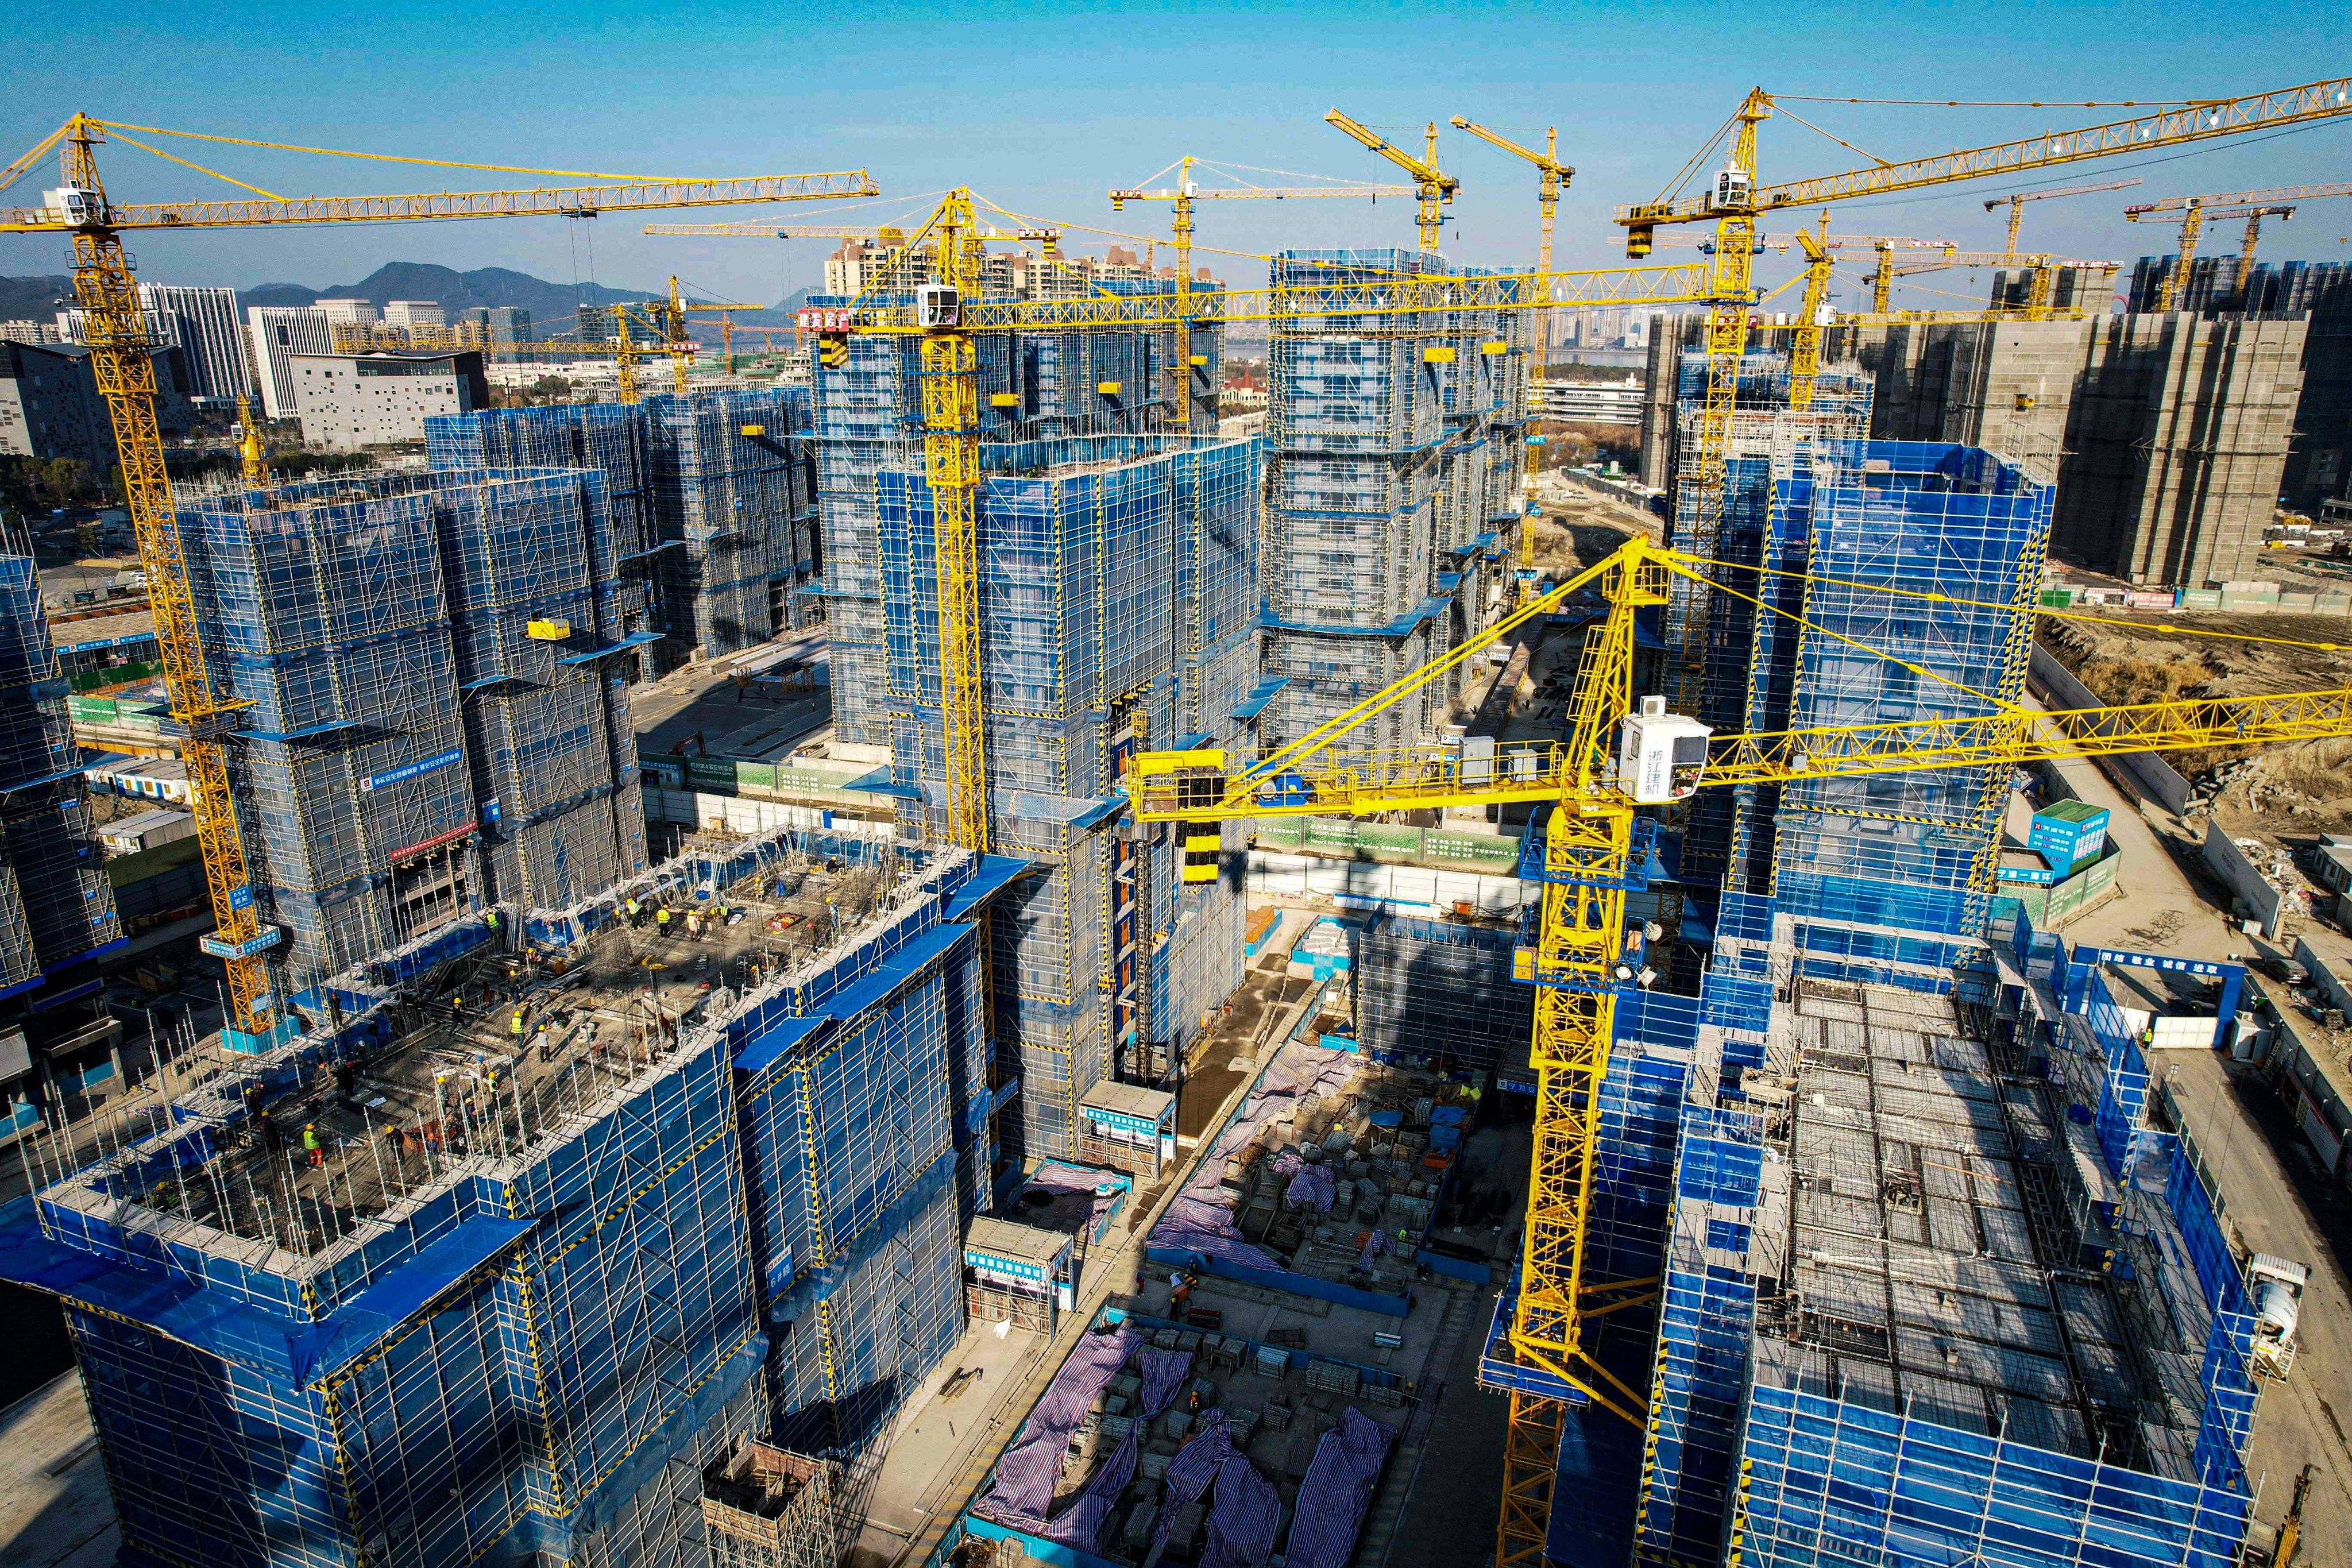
(938, 306)
(1734, 187)
(1661, 756)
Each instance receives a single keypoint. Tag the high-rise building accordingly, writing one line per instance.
(416, 749)
(276, 334)
(1392, 465)
(509, 324)
(359, 312)
(414, 313)
(57, 907)
(37, 334)
(212, 349)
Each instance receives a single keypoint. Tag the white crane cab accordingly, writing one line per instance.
(1661, 756)
(938, 306)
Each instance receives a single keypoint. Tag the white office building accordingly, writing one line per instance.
(276, 334)
(205, 323)
(348, 402)
(360, 312)
(414, 313)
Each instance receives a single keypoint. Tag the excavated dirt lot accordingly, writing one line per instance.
(2298, 789)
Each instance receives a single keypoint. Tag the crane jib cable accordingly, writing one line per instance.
(2050, 612)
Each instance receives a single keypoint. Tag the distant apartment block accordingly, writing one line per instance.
(348, 402)
(37, 334)
(275, 335)
(414, 313)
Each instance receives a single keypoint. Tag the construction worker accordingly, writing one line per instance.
(312, 1152)
(661, 920)
(514, 1026)
(636, 913)
(694, 925)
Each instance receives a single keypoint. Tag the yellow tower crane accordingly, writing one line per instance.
(2040, 292)
(1731, 201)
(1621, 758)
(1181, 196)
(253, 459)
(1553, 176)
(121, 357)
(682, 346)
(2015, 201)
(2192, 212)
(1432, 186)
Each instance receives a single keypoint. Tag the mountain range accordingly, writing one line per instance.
(551, 305)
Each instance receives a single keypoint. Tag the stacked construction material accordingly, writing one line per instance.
(56, 903)
(1394, 462)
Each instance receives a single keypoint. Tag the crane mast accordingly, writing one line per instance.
(123, 362)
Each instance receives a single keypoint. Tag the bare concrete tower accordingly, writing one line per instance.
(2177, 446)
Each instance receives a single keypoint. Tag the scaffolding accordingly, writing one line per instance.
(770, 1508)
(1392, 462)
(1440, 993)
(428, 728)
(1876, 1340)
(526, 1297)
(1859, 861)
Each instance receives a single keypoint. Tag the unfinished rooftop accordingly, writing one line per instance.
(450, 1089)
(1931, 1240)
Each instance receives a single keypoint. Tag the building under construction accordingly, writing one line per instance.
(546, 1247)
(57, 907)
(433, 729)
(712, 497)
(1393, 469)
(1117, 558)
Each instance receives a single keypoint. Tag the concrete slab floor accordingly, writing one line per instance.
(2277, 1198)
(55, 1508)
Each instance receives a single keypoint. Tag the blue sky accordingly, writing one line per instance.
(1040, 108)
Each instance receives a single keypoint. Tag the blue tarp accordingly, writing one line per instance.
(994, 873)
(287, 1350)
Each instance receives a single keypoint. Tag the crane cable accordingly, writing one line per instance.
(119, 126)
(2052, 614)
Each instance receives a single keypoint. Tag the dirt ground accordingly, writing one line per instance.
(2300, 789)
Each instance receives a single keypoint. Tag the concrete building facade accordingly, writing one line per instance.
(49, 405)
(348, 402)
(274, 334)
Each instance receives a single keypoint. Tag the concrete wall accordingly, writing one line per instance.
(2008, 386)
(1670, 337)
(2229, 863)
(2324, 979)
(2058, 685)
(2177, 446)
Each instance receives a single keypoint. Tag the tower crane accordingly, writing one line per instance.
(1731, 201)
(253, 459)
(2015, 201)
(1181, 196)
(2040, 293)
(1618, 759)
(682, 346)
(2252, 205)
(1431, 186)
(1553, 176)
(121, 358)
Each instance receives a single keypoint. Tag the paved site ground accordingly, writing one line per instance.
(2277, 1199)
